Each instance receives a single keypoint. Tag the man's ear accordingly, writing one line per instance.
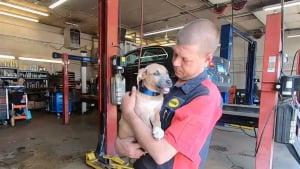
(208, 59)
(141, 75)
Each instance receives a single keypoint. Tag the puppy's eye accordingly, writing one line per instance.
(156, 73)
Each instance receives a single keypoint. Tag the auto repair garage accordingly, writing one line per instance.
(65, 66)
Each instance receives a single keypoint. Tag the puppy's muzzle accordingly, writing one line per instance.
(164, 84)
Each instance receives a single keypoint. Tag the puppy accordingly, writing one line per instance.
(153, 82)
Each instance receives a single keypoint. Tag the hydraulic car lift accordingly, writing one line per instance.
(246, 114)
(226, 52)
(108, 17)
(269, 96)
(107, 112)
(65, 58)
(265, 113)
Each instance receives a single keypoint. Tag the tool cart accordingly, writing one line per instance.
(4, 112)
(18, 102)
(56, 103)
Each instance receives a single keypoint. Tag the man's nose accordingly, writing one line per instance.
(176, 61)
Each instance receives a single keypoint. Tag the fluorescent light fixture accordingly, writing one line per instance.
(57, 3)
(40, 60)
(163, 31)
(168, 44)
(18, 16)
(128, 36)
(278, 6)
(7, 57)
(293, 36)
(218, 1)
(24, 9)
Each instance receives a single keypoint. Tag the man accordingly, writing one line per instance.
(190, 111)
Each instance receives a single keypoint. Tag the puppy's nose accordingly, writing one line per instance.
(169, 82)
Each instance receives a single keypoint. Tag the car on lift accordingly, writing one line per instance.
(218, 71)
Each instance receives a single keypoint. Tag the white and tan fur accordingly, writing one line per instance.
(154, 77)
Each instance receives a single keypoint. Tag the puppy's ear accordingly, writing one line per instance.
(141, 75)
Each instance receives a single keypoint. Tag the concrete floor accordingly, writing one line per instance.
(44, 143)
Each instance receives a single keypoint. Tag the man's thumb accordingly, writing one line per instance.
(133, 90)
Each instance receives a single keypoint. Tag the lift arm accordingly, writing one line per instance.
(78, 58)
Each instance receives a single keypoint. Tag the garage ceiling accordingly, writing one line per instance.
(159, 14)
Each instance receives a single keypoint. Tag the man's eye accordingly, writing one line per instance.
(186, 60)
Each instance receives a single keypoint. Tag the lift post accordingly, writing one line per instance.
(65, 59)
(226, 52)
(298, 73)
(269, 96)
(108, 11)
(108, 18)
(66, 118)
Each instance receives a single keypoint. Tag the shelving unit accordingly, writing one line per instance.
(34, 79)
(36, 82)
(8, 73)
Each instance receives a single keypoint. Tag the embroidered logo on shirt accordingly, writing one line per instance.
(174, 103)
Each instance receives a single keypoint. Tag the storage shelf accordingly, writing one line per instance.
(6, 77)
(35, 78)
(30, 71)
(11, 68)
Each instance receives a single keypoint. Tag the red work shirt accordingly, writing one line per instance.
(188, 116)
(192, 124)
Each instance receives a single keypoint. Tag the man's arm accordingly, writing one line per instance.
(160, 150)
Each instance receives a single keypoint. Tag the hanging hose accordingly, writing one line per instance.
(232, 45)
(282, 53)
(141, 34)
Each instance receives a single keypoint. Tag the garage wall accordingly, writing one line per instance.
(239, 58)
(34, 40)
(26, 39)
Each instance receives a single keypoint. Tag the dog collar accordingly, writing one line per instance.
(148, 92)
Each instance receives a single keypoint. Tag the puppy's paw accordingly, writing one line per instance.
(158, 133)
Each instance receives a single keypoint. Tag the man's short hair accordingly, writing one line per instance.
(201, 32)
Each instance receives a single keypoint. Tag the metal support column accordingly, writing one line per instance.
(298, 73)
(83, 85)
(250, 72)
(108, 12)
(298, 64)
(269, 96)
(226, 49)
(65, 89)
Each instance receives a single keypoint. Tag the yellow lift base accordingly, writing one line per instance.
(114, 162)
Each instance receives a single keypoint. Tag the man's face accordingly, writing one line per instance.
(188, 62)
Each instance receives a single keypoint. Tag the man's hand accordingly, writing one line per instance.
(128, 103)
(129, 147)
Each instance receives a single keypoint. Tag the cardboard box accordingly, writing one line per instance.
(39, 104)
(31, 104)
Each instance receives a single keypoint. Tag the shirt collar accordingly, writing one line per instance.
(189, 85)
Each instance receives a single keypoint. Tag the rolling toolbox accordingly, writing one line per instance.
(4, 112)
(56, 104)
